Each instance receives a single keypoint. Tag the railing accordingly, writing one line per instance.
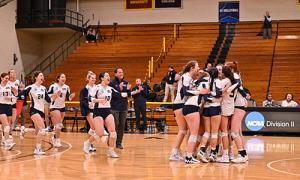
(48, 18)
(153, 65)
(58, 55)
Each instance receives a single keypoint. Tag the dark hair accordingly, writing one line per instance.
(213, 73)
(228, 73)
(170, 66)
(3, 75)
(57, 77)
(189, 66)
(9, 71)
(116, 69)
(285, 95)
(36, 74)
(101, 75)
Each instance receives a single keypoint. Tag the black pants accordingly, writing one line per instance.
(120, 120)
(140, 109)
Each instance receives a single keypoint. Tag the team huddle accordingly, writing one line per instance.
(209, 107)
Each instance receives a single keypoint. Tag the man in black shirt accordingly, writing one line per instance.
(139, 93)
(267, 26)
(119, 103)
(170, 81)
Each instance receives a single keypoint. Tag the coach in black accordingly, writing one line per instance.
(119, 103)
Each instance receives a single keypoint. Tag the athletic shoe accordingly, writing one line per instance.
(86, 147)
(220, 150)
(176, 157)
(22, 133)
(223, 159)
(92, 148)
(212, 157)
(191, 160)
(231, 154)
(9, 145)
(58, 143)
(112, 154)
(202, 156)
(39, 151)
(240, 159)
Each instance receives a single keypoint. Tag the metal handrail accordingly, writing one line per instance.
(60, 53)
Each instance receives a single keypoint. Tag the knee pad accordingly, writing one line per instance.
(91, 132)
(234, 135)
(59, 126)
(113, 135)
(42, 132)
(214, 135)
(224, 134)
(220, 134)
(193, 138)
(6, 129)
(182, 132)
(199, 138)
(206, 135)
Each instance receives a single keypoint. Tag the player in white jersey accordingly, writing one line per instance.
(7, 96)
(212, 117)
(13, 83)
(227, 108)
(87, 107)
(38, 95)
(102, 115)
(58, 107)
(238, 116)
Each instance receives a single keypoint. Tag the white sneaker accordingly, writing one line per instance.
(220, 150)
(9, 145)
(22, 132)
(111, 153)
(240, 159)
(224, 159)
(58, 143)
(38, 151)
(86, 147)
(202, 155)
(191, 160)
(92, 148)
(176, 157)
(231, 156)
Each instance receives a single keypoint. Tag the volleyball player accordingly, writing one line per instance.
(86, 106)
(38, 95)
(57, 107)
(227, 110)
(212, 117)
(13, 83)
(102, 115)
(7, 96)
(191, 108)
(239, 112)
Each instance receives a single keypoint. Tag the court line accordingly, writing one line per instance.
(43, 156)
(269, 165)
(10, 156)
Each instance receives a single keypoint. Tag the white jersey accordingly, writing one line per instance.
(92, 92)
(6, 92)
(216, 101)
(14, 84)
(38, 96)
(103, 93)
(59, 102)
(196, 99)
(180, 98)
(292, 103)
(227, 105)
(240, 101)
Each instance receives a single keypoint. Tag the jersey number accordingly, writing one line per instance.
(40, 96)
(5, 93)
(107, 98)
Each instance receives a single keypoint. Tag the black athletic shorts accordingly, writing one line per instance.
(34, 111)
(59, 109)
(240, 107)
(14, 106)
(211, 111)
(6, 109)
(189, 109)
(102, 112)
(177, 106)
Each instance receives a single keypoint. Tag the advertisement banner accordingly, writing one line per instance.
(272, 120)
(138, 4)
(167, 3)
(229, 11)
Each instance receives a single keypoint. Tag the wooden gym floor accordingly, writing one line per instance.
(270, 158)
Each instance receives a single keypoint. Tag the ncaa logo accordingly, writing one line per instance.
(255, 121)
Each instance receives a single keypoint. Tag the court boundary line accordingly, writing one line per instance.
(43, 156)
(269, 165)
(10, 156)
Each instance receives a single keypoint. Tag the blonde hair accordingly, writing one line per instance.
(89, 74)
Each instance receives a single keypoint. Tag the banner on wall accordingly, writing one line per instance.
(229, 11)
(167, 3)
(138, 4)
